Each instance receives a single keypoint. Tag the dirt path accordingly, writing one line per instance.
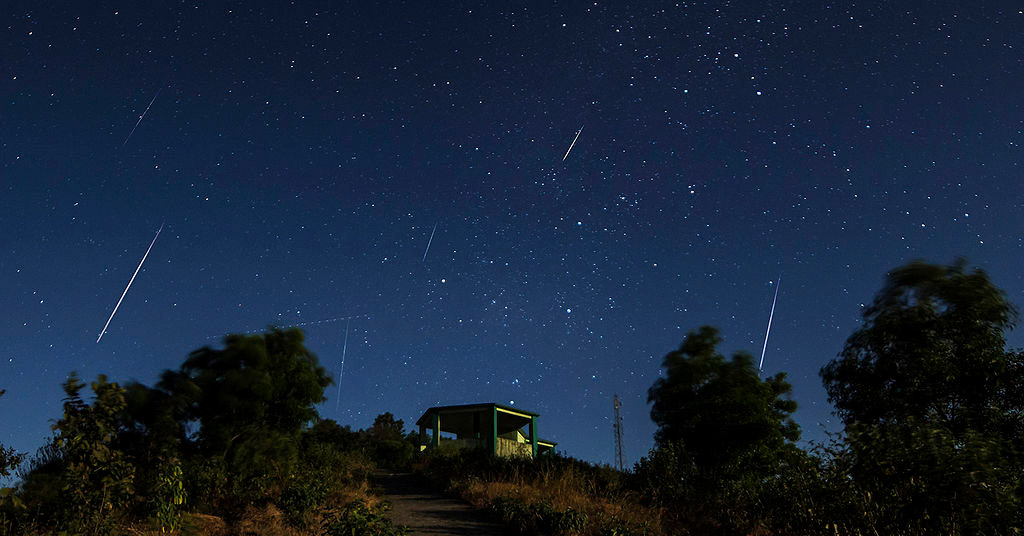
(428, 513)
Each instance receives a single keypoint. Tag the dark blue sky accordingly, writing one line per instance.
(301, 154)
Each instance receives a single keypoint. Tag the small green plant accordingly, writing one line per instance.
(206, 481)
(170, 497)
(538, 518)
(508, 509)
(305, 493)
(357, 519)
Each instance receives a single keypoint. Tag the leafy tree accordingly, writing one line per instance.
(390, 447)
(932, 350)
(9, 458)
(386, 427)
(97, 477)
(932, 404)
(153, 438)
(719, 409)
(250, 399)
(329, 432)
(154, 423)
(723, 433)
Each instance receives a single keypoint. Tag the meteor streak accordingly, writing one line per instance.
(297, 325)
(141, 116)
(344, 348)
(573, 144)
(428, 243)
(132, 280)
(778, 282)
(316, 322)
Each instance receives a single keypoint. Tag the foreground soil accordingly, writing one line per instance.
(429, 513)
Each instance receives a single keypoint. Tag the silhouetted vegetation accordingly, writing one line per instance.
(228, 443)
(9, 501)
(549, 495)
(722, 433)
(231, 443)
(932, 402)
(933, 405)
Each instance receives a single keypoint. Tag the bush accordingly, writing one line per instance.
(97, 481)
(538, 518)
(168, 498)
(553, 495)
(206, 482)
(358, 519)
(393, 454)
(305, 493)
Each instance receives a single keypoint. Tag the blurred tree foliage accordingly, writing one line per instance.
(723, 433)
(718, 409)
(932, 350)
(9, 458)
(386, 427)
(231, 432)
(932, 402)
(97, 477)
(251, 399)
(389, 444)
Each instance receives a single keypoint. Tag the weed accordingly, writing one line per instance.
(358, 519)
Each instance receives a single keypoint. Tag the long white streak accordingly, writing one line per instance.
(344, 349)
(760, 366)
(298, 325)
(573, 144)
(428, 243)
(132, 280)
(141, 116)
(316, 322)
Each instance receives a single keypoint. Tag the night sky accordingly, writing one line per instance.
(299, 157)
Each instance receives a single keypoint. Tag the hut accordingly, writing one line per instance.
(502, 430)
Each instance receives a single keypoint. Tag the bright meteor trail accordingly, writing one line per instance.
(428, 244)
(778, 282)
(344, 349)
(137, 123)
(132, 280)
(573, 144)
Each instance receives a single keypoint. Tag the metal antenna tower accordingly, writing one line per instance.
(618, 433)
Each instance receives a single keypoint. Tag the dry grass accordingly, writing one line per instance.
(192, 525)
(266, 520)
(360, 492)
(563, 490)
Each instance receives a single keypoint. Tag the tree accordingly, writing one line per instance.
(933, 405)
(724, 434)
(390, 446)
(719, 409)
(932, 350)
(329, 432)
(9, 458)
(386, 427)
(251, 399)
(97, 477)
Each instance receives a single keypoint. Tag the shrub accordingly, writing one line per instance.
(538, 518)
(305, 493)
(169, 496)
(358, 519)
(206, 482)
(553, 495)
(97, 481)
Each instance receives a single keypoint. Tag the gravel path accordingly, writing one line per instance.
(429, 513)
